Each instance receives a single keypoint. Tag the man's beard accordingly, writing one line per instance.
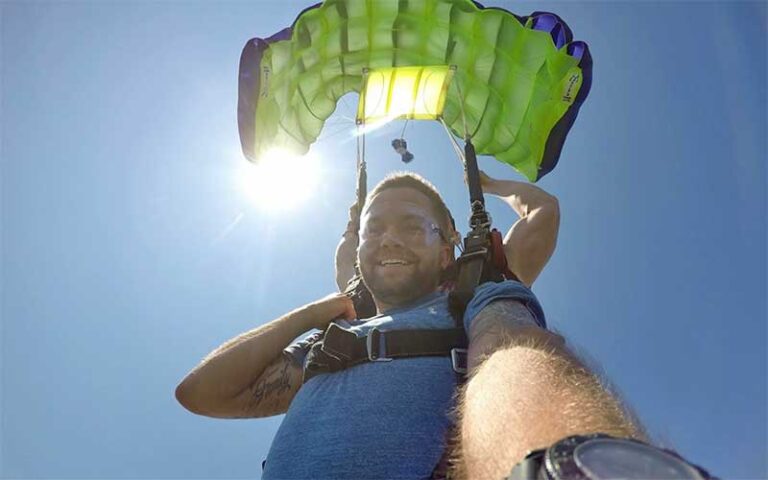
(402, 289)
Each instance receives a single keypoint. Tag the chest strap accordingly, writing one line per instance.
(341, 348)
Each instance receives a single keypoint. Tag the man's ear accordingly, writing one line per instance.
(447, 257)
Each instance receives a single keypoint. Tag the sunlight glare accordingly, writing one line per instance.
(280, 181)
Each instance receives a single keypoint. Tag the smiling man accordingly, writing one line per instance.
(404, 244)
(370, 416)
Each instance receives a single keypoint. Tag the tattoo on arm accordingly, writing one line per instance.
(267, 391)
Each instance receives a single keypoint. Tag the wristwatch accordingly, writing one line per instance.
(602, 457)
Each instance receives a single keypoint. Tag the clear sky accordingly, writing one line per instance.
(129, 250)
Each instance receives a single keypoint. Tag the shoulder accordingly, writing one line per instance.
(500, 318)
(508, 300)
(506, 322)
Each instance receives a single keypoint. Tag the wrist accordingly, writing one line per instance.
(305, 318)
(492, 186)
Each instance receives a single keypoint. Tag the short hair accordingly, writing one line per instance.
(421, 184)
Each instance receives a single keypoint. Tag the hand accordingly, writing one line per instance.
(489, 184)
(346, 251)
(325, 310)
(353, 225)
(353, 215)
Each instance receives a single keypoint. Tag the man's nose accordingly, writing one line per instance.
(390, 237)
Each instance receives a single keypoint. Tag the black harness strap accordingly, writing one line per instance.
(470, 266)
(341, 348)
(476, 263)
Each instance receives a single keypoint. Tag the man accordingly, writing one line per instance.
(390, 419)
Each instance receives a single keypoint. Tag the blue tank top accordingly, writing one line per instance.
(383, 420)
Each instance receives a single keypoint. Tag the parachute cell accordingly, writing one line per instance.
(516, 88)
(403, 92)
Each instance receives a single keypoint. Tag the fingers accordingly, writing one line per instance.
(334, 306)
(349, 312)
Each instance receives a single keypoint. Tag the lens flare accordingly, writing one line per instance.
(280, 181)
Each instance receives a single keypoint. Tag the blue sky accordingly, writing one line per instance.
(129, 251)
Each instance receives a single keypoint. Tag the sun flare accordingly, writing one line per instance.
(280, 181)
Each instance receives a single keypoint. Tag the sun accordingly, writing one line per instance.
(280, 181)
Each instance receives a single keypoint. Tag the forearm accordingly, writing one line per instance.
(528, 396)
(531, 241)
(233, 366)
(525, 198)
(346, 253)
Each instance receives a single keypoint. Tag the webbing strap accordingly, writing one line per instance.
(473, 174)
(470, 266)
(342, 348)
(477, 244)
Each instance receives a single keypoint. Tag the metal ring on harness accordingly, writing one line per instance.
(374, 337)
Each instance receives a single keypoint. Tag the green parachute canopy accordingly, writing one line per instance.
(515, 89)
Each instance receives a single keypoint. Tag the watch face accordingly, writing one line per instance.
(611, 458)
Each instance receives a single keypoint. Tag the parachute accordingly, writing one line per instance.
(511, 85)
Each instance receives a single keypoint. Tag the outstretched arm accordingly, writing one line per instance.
(531, 241)
(248, 376)
(527, 390)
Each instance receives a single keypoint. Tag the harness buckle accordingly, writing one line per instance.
(336, 342)
(379, 354)
(459, 360)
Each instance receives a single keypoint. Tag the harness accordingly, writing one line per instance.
(341, 348)
(482, 260)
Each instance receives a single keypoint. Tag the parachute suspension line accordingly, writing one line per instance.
(479, 219)
(334, 132)
(463, 113)
(361, 190)
(359, 159)
(455, 144)
(362, 175)
(402, 133)
(362, 158)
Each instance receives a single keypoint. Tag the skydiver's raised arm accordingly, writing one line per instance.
(346, 251)
(531, 241)
(248, 376)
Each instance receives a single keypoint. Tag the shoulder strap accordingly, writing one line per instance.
(341, 348)
(360, 295)
(483, 257)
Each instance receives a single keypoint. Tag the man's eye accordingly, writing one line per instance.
(412, 228)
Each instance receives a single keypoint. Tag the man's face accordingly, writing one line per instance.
(401, 252)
